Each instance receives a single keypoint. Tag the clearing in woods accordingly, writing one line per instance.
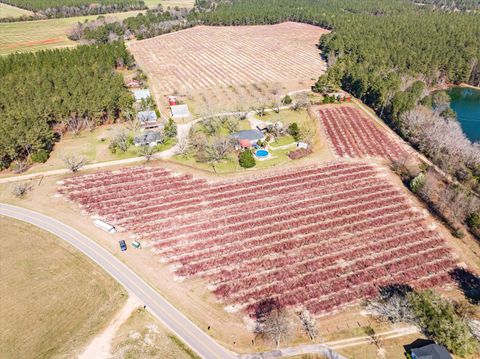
(283, 57)
(25, 36)
(12, 11)
(53, 298)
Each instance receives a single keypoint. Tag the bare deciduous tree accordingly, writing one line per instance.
(275, 326)
(300, 101)
(308, 323)
(182, 147)
(20, 166)
(74, 163)
(307, 133)
(211, 126)
(147, 151)
(474, 326)
(395, 308)
(121, 141)
(231, 124)
(21, 189)
(442, 140)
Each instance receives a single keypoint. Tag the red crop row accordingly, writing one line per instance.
(321, 237)
(354, 135)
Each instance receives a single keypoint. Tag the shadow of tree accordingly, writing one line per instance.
(390, 290)
(468, 282)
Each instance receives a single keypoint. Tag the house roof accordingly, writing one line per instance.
(245, 143)
(251, 135)
(141, 94)
(179, 111)
(431, 351)
(147, 116)
(148, 137)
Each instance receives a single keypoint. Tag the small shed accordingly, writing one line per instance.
(248, 138)
(303, 145)
(180, 111)
(147, 116)
(141, 94)
(172, 101)
(430, 351)
(148, 138)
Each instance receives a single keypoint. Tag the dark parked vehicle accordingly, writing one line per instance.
(123, 245)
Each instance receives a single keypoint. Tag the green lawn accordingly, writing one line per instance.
(287, 117)
(12, 11)
(282, 141)
(25, 36)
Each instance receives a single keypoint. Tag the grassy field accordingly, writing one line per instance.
(37, 35)
(172, 3)
(53, 298)
(12, 11)
(142, 336)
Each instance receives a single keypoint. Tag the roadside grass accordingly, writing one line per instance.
(389, 348)
(142, 336)
(54, 299)
(25, 36)
(12, 11)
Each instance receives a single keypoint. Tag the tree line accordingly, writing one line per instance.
(69, 8)
(153, 23)
(70, 89)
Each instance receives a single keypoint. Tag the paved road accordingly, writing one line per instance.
(193, 336)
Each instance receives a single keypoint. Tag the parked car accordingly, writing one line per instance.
(123, 245)
(136, 244)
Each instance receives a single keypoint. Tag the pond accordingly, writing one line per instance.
(466, 103)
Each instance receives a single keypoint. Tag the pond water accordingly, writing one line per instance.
(466, 103)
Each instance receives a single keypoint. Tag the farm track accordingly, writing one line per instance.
(320, 237)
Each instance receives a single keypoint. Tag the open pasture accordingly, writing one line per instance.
(205, 57)
(37, 35)
(12, 11)
(318, 237)
(54, 299)
(352, 134)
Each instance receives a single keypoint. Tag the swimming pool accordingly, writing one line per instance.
(261, 153)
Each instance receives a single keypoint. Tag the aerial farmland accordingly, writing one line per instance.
(229, 63)
(240, 180)
(320, 237)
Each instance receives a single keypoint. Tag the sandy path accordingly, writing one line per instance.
(100, 347)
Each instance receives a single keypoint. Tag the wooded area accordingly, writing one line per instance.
(152, 23)
(73, 88)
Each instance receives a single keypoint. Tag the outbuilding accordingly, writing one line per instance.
(430, 351)
(141, 94)
(146, 117)
(180, 111)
